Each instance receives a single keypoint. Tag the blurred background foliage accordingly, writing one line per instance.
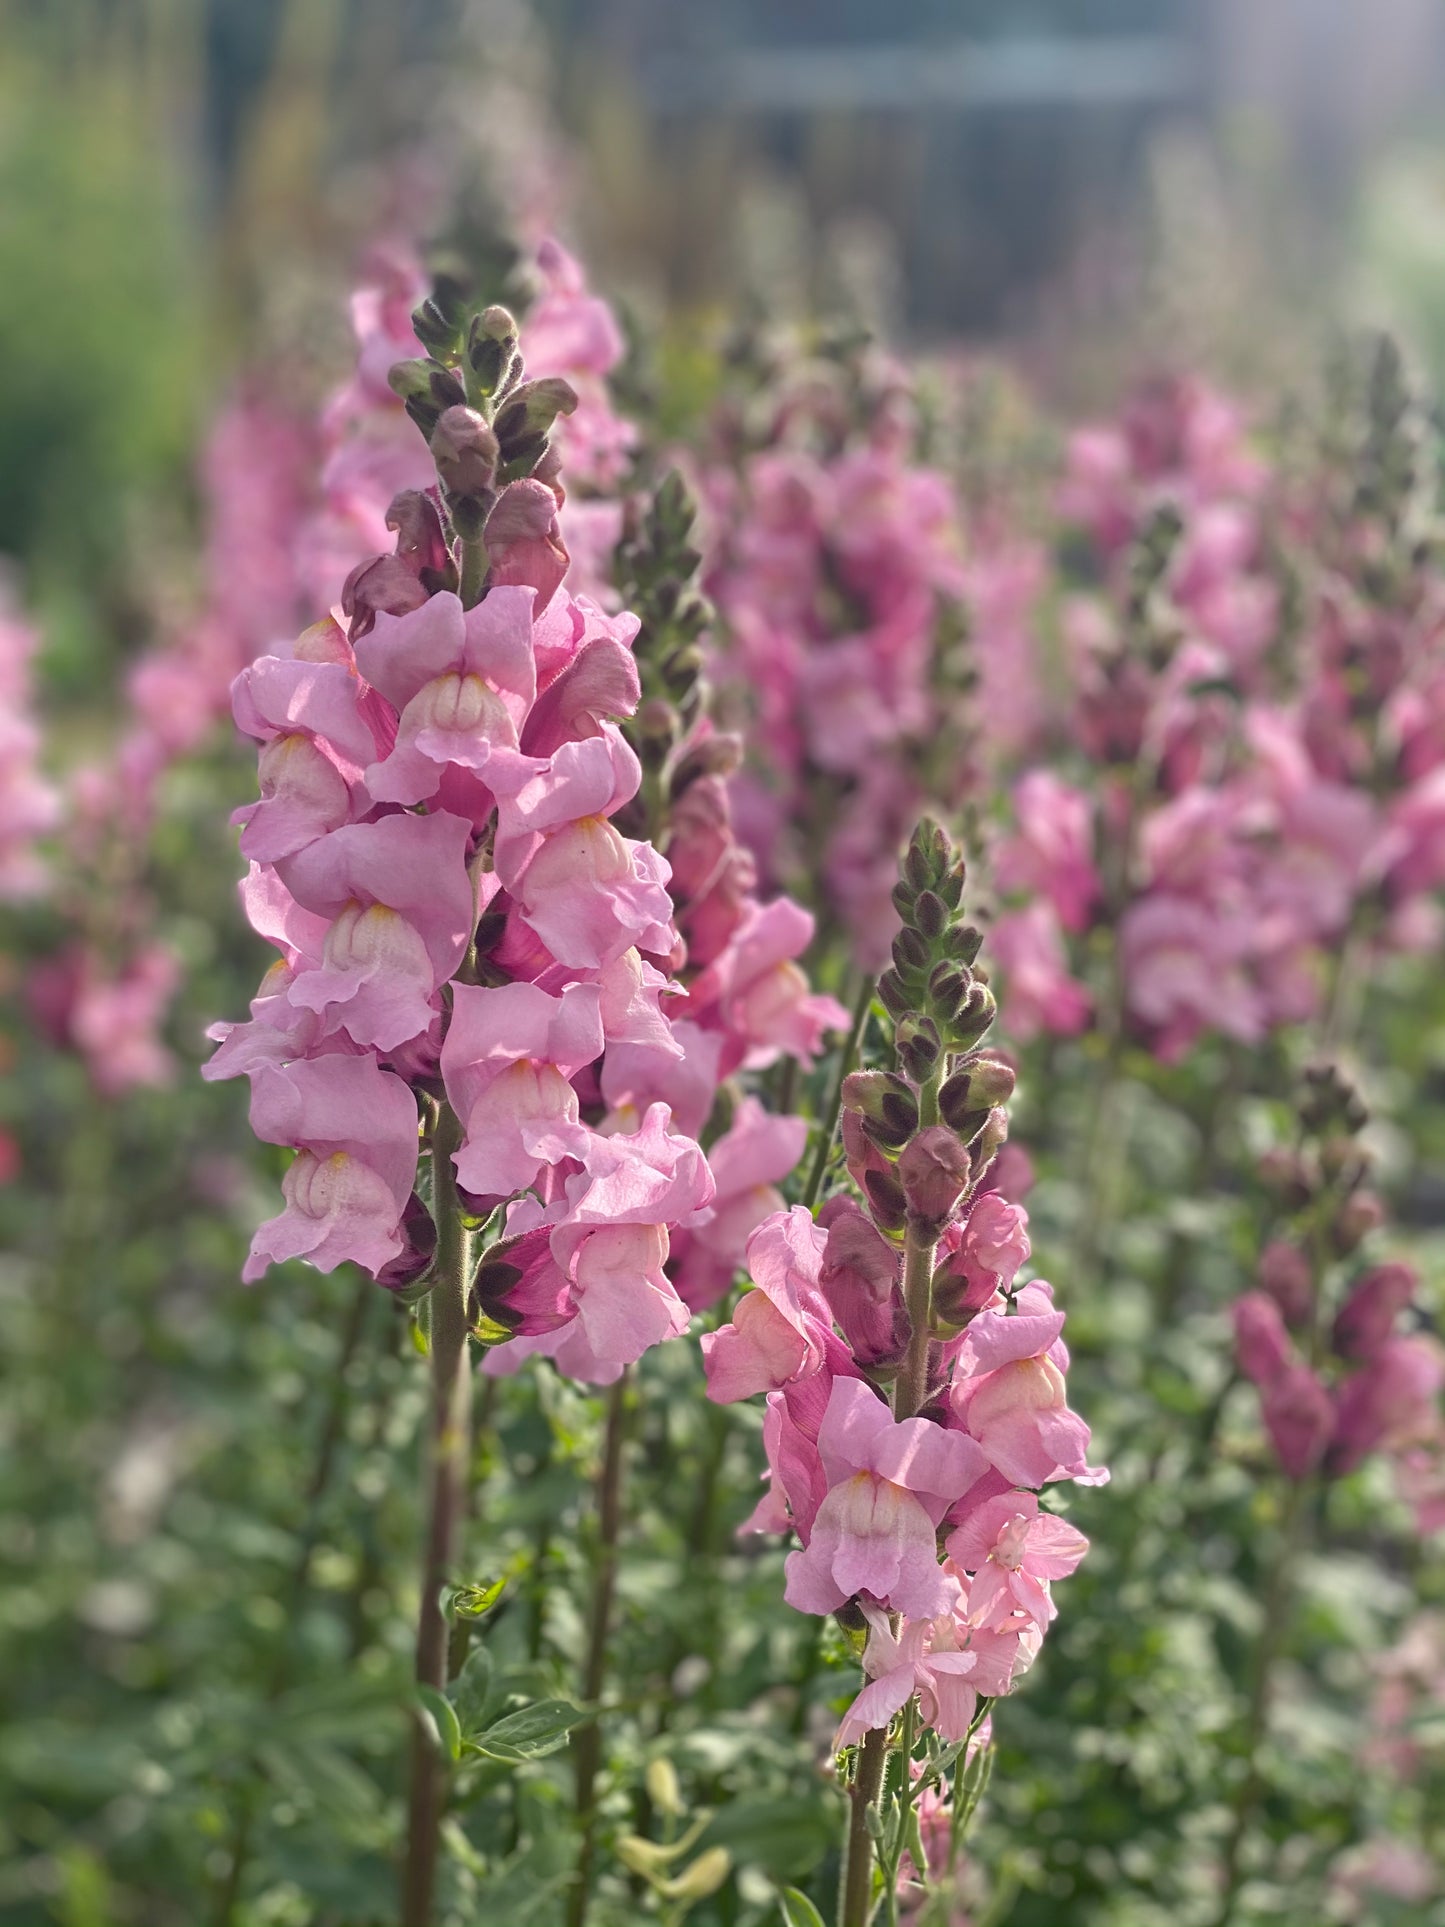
(204, 1491)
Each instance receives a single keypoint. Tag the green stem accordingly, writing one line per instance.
(447, 1480)
(828, 1123)
(1271, 1641)
(474, 571)
(857, 1897)
(587, 1740)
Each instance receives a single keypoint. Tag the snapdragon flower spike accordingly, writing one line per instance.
(917, 1397)
(1376, 1387)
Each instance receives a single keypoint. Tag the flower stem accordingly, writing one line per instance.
(447, 1479)
(587, 1740)
(1271, 1639)
(474, 572)
(856, 1905)
(828, 1123)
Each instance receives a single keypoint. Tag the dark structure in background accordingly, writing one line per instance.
(994, 141)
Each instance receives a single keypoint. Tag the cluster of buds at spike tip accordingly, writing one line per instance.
(655, 569)
(1324, 1339)
(936, 1122)
(486, 424)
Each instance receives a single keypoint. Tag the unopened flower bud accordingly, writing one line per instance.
(989, 1142)
(930, 914)
(465, 452)
(910, 952)
(886, 1200)
(1284, 1273)
(974, 1017)
(1286, 1175)
(934, 1168)
(492, 350)
(532, 408)
(411, 1264)
(977, 1087)
(420, 540)
(1356, 1218)
(919, 1046)
(703, 1877)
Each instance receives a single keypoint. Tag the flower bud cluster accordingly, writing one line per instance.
(470, 947)
(916, 1391)
(1326, 1341)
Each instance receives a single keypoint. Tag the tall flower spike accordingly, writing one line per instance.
(906, 1447)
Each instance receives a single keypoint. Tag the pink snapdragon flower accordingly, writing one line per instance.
(1009, 1394)
(354, 1129)
(889, 1485)
(748, 1162)
(945, 1659)
(1050, 853)
(1013, 1550)
(507, 1060)
(400, 904)
(1038, 992)
(781, 1329)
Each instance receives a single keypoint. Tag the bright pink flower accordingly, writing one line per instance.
(353, 1127)
(756, 993)
(1262, 1344)
(1367, 1317)
(987, 1248)
(749, 1161)
(781, 1329)
(889, 1484)
(1051, 851)
(1185, 965)
(1298, 1416)
(400, 903)
(1389, 1402)
(1014, 1550)
(508, 1056)
(115, 1020)
(1038, 992)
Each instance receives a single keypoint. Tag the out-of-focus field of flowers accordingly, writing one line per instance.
(1135, 576)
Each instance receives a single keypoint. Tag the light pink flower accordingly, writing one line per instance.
(889, 1484)
(1038, 992)
(749, 1161)
(353, 1127)
(1009, 1394)
(1050, 853)
(508, 1056)
(400, 903)
(781, 1329)
(1013, 1550)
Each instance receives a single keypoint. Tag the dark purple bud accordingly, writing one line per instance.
(885, 1199)
(420, 1234)
(977, 1087)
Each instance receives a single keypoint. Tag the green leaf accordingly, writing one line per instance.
(799, 1911)
(443, 1716)
(470, 1602)
(471, 1688)
(530, 1732)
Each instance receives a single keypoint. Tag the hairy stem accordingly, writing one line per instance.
(447, 1483)
(474, 571)
(856, 1902)
(587, 1740)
